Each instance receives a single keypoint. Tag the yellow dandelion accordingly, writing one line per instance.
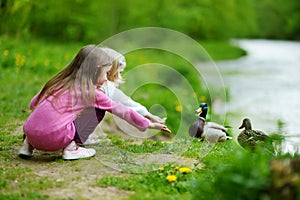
(46, 62)
(20, 60)
(203, 98)
(161, 169)
(185, 170)
(66, 57)
(171, 178)
(176, 168)
(6, 52)
(178, 108)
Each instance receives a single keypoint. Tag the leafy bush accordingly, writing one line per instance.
(93, 21)
(242, 175)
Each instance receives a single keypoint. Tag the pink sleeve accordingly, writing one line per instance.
(33, 101)
(118, 109)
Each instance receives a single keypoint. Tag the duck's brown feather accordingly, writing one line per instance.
(197, 128)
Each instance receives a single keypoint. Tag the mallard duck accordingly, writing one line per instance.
(249, 138)
(209, 131)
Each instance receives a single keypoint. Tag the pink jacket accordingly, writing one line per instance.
(51, 128)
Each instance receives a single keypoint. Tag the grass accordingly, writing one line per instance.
(26, 65)
(226, 167)
(221, 51)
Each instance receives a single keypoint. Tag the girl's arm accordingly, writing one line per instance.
(118, 95)
(159, 126)
(155, 118)
(118, 109)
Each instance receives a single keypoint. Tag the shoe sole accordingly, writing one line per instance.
(24, 156)
(71, 157)
(75, 158)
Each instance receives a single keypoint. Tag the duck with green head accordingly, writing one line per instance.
(209, 131)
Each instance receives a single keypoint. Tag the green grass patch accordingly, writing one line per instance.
(219, 179)
(225, 167)
(25, 67)
(170, 179)
(222, 50)
(147, 146)
(21, 183)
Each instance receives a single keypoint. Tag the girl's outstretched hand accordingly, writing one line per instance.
(155, 118)
(159, 126)
(166, 129)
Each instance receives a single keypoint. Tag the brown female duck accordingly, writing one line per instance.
(250, 138)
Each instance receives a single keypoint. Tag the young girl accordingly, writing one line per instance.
(57, 110)
(110, 88)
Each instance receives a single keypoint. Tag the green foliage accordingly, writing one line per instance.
(94, 21)
(219, 50)
(226, 171)
(284, 27)
(147, 146)
(154, 181)
(158, 196)
(24, 195)
(25, 67)
(21, 183)
(244, 174)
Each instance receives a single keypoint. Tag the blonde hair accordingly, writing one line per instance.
(83, 72)
(118, 61)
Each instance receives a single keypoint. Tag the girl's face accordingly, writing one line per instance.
(103, 76)
(121, 67)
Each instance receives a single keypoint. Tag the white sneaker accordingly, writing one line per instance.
(26, 151)
(73, 152)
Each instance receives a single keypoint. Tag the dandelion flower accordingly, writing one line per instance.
(161, 169)
(203, 98)
(185, 170)
(46, 63)
(178, 108)
(171, 178)
(20, 60)
(6, 52)
(66, 57)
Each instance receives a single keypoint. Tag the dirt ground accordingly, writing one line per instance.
(78, 179)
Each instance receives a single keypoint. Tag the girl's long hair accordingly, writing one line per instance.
(82, 73)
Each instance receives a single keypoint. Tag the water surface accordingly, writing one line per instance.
(265, 86)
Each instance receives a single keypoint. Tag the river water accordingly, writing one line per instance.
(265, 86)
